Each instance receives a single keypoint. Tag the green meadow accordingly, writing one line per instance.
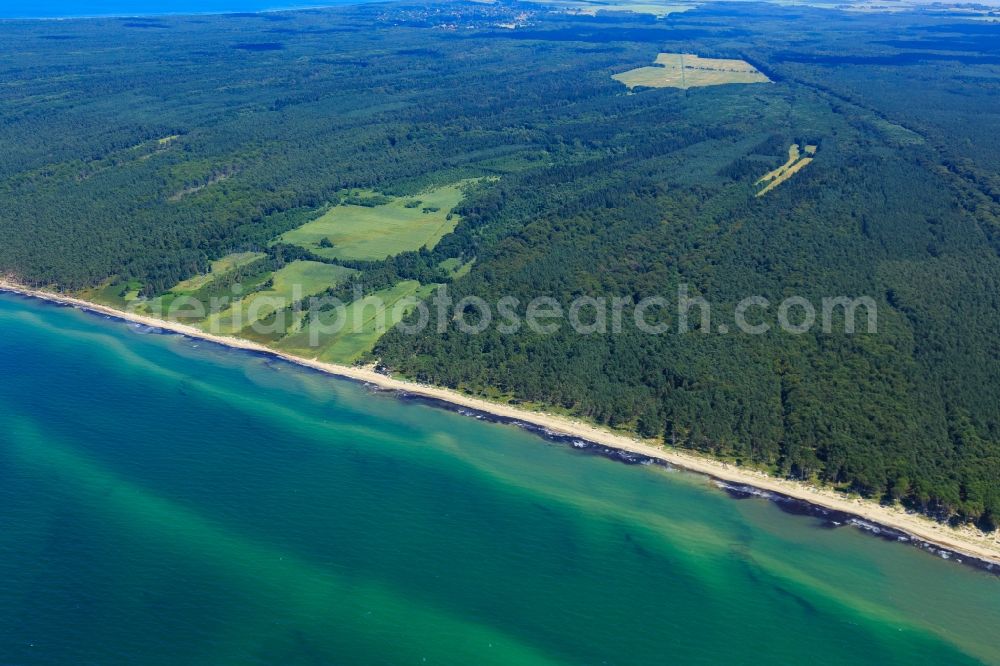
(795, 163)
(375, 232)
(365, 321)
(200, 287)
(113, 293)
(295, 281)
(685, 70)
(219, 267)
(366, 226)
(456, 268)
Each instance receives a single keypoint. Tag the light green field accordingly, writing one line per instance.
(683, 70)
(591, 8)
(365, 321)
(374, 233)
(456, 268)
(295, 281)
(219, 267)
(896, 134)
(793, 157)
(113, 293)
(795, 163)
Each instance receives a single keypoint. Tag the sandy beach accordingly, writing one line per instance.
(966, 541)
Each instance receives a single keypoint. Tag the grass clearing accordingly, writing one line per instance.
(295, 281)
(897, 134)
(364, 322)
(796, 162)
(593, 8)
(113, 293)
(219, 267)
(793, 157)
(685, 70)
(456, 268)
(194, 285)
(376, 232)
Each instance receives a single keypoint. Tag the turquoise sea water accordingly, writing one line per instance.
(68, 8)
(167, 501)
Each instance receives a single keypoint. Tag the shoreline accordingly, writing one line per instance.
(173, 14)
(962, 544)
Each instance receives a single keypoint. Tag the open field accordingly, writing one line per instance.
(365, 321)
(456, 268)
(196, 285)
(683, 70)
(793, 157)
(296, 280)
(592, 8)
(112, 292)
(795, 163)
(219, 267)
(377, 232)
(788, 173)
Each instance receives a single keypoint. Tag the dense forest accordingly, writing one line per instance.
(136, 152)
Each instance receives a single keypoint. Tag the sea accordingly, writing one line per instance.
(165, 501)
(75, 8)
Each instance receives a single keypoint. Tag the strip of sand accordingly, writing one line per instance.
(964, 540)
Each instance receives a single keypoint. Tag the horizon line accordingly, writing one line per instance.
(220, 12)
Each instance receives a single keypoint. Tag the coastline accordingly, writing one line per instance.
(890, 522)
(167, 13)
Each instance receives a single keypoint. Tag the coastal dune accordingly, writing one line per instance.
(965, 541)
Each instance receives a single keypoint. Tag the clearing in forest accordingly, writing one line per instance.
(219, 267)
(796, 162)
(374, 232)
(684, 70)
(364, 322)
(455, 268)
(658, 8)
(113, 292)
(194, 285)
(296, 280)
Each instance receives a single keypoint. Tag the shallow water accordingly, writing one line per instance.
(169, 501)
